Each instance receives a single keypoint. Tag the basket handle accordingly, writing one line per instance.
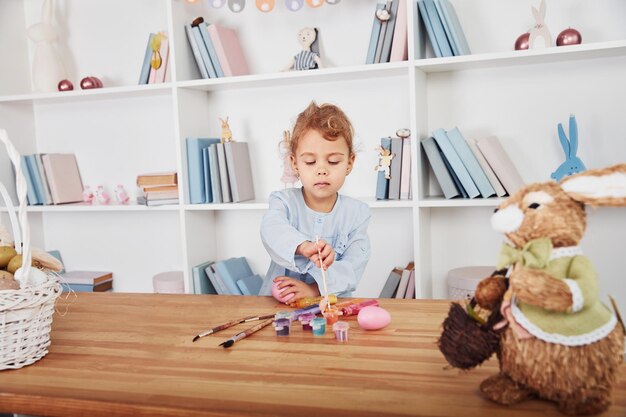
(20, 226)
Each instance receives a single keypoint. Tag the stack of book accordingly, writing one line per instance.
(157, 189)
(470, 169)
(443, 27)
(218, 172)
(232, 276)
(155, 66)
(216, 50)
(400, 283)
(87, 281)
(52, 178)
(388, 40)
(398, 185)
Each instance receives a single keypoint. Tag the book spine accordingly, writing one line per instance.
(206, 173)
(501, 163)
(429, 28)
(195, 172)
(439, 168)
(381, 35)
(221, 160)
(455, 162)
(215, 62)
(196, 52)
(491, 176)
(204, 53)
(396, 169)
(382, 183)
(216, 188)
(405, 176)
(164, 51)
(446, 28)
(399, 46)
(31, 195)
(371, 50)
(471, 163)
(145, 67)
(214, 33)
(391, 26)
(438, 30)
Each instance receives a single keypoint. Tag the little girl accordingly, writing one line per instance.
(322, 155)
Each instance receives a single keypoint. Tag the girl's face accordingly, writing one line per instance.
(322, 166)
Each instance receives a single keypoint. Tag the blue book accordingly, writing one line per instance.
(230, 271)
(444, 178)
(215, 61)
(204, 52)
(391, 25)
(216, 186)
(35, 175)
(382, 183)
(250, 285)
(440, 33)
(217, 283)
(429, 28)
(455, 163)
(201, 282)
(208, 193)
(102, 287)
(57, 255)
(456, 32)
(195, 49)
(447, 29)
(145, 67)
(371, 51)
(471, 163)
(455, 179)
(195, 168)
(31, 195)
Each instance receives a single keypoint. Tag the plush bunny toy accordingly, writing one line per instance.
(560, 342)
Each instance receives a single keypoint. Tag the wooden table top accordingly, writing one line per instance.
(116, 354)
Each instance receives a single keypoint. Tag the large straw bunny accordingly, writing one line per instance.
(540, 30)
(561, 343)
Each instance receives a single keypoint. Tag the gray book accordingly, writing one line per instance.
(391, 25)
(381, 36)
(439, 168)
(395, 169)
(239, 171)
(201, 282)
(389, 290)
(216, 187)
(222, 162)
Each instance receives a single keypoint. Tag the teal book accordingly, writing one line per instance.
(445, 180)
(31, 160)
(44, 179)
(371, 50)
(454, 26)
(204, 52)
(208, 43)
(216, 186)
(219, 286)
(195, 168)
(230, 271)
(250, 285)
(447, 29)
(201, 282)
(438, 30)
(31, 195)
(455, 163)
(471, 163)
(382, 183)
(145, 66)
(429, 28)
(457, 183)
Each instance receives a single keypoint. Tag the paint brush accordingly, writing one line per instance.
(242, 335)
(319, 255)
(231, 324)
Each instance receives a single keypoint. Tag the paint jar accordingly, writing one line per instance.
(331, 316)
(341, 331)
(282, 327)
(283, 315)
(305, 320)
(318, 326)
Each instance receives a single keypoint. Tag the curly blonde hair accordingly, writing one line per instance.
(327, 119)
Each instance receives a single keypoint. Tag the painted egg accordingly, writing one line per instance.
(373, 318)
(276, 294)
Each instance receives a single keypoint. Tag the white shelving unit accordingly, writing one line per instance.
(124, 129)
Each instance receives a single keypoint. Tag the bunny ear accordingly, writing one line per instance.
(598, 187)
(564, 141)
(542, 9)
(573, 136)
(46, 11)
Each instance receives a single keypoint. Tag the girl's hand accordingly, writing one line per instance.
(326, 251)
(298, 288)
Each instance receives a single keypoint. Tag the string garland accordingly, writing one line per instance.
(266, 6)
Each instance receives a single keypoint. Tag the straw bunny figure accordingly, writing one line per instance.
(226, 135)
(540, 30)
(560, 342)
(572, 164)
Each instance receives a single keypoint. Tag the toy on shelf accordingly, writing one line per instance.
(88, 83)
(573, 163)
(384, 160)
(289, 177)
(88, 195)
(102, 197)
(556, 340)
(121, 195)
(309, 57)
(65, 85)
(540, 30)
(226, 135)
(569, 36)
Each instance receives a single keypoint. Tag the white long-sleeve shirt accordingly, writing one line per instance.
(289, 222)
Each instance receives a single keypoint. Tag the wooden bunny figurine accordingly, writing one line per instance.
(573, 163)
(560, 342)
(226, 135)
(540, 30)
(309, 57)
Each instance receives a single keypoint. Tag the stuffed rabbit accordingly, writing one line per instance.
(572, 164)
(559, 341)
(540, 30)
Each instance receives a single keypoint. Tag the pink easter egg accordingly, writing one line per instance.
(276, 294)
(373, 318)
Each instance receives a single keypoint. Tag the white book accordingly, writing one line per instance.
(491, 176)
(501, 163)
(225, 185)
(404, 282)
(239, 171)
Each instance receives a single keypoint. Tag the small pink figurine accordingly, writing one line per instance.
(88, 195)
(102, 197)
(289, 177)
(120, 194)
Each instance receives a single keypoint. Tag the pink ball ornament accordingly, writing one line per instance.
(522, 41)
(276, 293)
(90, 82)
(65, 85)
(569, 36)
(373, 318)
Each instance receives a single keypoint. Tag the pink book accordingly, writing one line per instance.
(500, 163)
(399, 45)
(165, 55)
(63, 176)
(410, 288)
(228, 49)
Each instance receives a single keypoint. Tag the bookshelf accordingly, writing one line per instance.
(125, 129)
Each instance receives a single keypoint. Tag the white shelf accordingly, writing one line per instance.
(85, 208)
(434, 202)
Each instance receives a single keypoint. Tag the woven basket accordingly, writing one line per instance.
(25, 314)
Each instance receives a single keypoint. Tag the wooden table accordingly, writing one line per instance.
(117, 354)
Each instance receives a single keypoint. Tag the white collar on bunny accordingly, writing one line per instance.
(556, 253)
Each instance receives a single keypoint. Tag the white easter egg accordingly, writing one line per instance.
(36, 277)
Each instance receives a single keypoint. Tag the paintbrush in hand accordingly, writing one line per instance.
(231, 324)
(241, 335)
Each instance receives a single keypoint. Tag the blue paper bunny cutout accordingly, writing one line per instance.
(572, 163)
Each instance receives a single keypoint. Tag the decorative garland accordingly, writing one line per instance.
(237, 6)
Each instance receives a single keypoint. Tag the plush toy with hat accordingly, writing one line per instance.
(555, 339)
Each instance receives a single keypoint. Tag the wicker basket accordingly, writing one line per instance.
(25, 314)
